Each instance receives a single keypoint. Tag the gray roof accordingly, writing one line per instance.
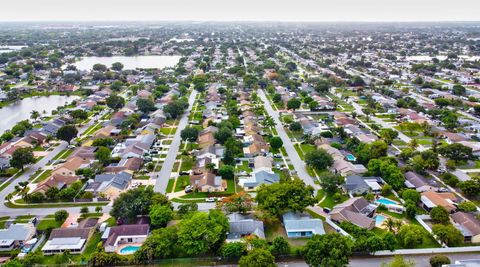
(356, 183)
(262, 177)
(119, 180)
(241, 225)
(19, 232)
(298, 222)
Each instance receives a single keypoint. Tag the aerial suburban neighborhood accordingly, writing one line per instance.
(186, 144)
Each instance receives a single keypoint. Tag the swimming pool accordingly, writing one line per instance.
(129, 249)
(379, 219)
(351, 157)
(386, 201)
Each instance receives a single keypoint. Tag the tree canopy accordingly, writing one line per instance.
(279, 198)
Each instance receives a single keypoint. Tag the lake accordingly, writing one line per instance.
(440, 57)
(129, 63)
(20, 110)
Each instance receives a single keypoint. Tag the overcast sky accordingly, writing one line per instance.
(234, 10)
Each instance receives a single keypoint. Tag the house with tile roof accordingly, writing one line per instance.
(356, 210)
(116, 237)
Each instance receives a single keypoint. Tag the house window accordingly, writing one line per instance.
(130, 240)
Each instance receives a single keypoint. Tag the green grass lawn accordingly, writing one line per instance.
(43, 176)
(243, 167)
(182, 182)
(329, 202)
(187, 163)
(170, 185)
(45, 224)
(142, 177)
(168, 130)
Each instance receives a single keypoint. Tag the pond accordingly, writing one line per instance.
(129, 63)
(20, 110)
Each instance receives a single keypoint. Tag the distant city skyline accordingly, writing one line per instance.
(241, 10)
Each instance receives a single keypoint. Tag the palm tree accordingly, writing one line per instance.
(34, 115)
(390, 224)
(210, 166)
(268, 121)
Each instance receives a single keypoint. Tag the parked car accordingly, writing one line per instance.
(188, 189)
(210, 199)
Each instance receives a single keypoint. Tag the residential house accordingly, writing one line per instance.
(302, 225)
(55, 181)
(72, 239)
(16, 235)
(468, 224)
(451, 138)
(208, 182)
(207, 137)
(431, 199)
(358, 185)
(69, 167)
(125, 164)
(355, 210)
(120, 236)
(416, 181)
(259, 177)
(242, 226)
(110, 184)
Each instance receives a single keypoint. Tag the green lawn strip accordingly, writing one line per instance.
(299, 151)
(142, 177)
(53, 205)
(91, 215)
(63, 154)
(182, 200)
(170, 185)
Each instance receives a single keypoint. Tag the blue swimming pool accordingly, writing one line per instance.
(351, 157)
(386, 201)
(129, 249)
(379, 219)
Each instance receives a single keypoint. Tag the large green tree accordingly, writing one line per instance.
(145, 105)
(203, 232)
(136, 202)
(21, 157)
(318, 159)
(115, 102)
(67, 133)
(279, 198)
(258, 258)
(329, 250)
(448, 234)
(160, 215)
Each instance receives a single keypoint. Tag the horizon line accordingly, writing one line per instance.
(251, 21)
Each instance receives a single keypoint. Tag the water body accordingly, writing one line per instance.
(20, 110)
(10, 48)
(429, 58)
(129, 63)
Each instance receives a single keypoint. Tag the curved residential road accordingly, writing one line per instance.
(297, 162)
(165, 172)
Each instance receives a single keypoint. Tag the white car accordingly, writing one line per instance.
(210, 199)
